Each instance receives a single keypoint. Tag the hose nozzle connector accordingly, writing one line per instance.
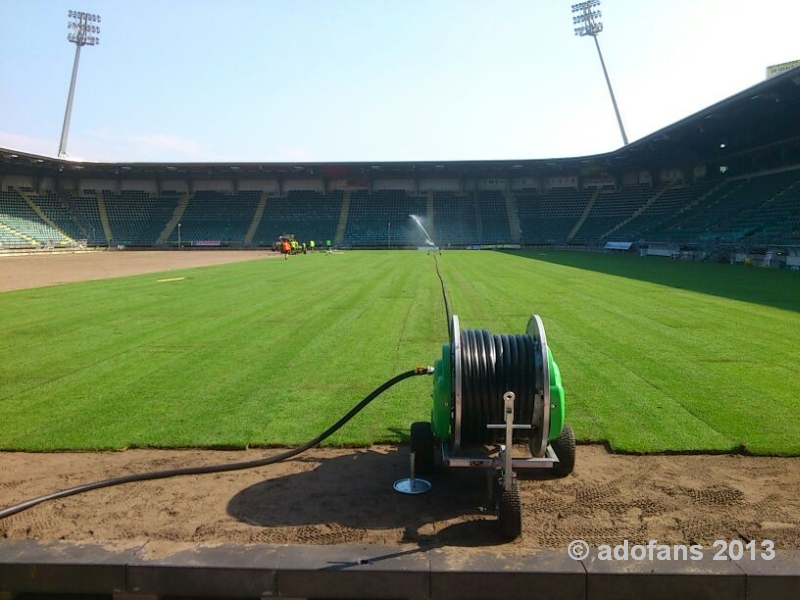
(423, 370)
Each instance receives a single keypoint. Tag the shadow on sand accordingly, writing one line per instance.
(355, 491)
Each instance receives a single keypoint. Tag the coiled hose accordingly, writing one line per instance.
(492, 365)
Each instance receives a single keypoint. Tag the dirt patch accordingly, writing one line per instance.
(22, 271)
(345, 496)
(332, 496)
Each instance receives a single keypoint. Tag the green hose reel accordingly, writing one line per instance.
(491, 392)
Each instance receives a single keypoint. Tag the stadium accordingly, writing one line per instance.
(663, 271)
(721, 184)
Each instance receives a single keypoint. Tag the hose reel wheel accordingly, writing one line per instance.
(541, 410)
(564, 448)
(509, 511)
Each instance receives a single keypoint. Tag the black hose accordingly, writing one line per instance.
(17, 508)
(492, 365)
(446, 300)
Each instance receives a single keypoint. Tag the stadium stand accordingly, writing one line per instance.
(781, 217)
(137, 217)
(10, 239)
(751, 208)
(23, 225)
(54, 206)
(306, 214)
(217, 218)
(761, 208)
(672, 202)
(731, 211)
(383, 218)
(83, 205)
(548, 218)
(454, 218)
(611, 208)
(492, 218)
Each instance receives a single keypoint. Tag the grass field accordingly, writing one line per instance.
(656, 355)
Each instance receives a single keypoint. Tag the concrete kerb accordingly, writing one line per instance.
(136, 570)
(664, 580)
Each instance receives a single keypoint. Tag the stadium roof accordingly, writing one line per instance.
(757, 120)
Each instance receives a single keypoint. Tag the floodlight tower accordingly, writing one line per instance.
(587, 23)
(83, 32)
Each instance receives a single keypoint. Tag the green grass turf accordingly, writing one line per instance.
(255, 353)
(271, 352)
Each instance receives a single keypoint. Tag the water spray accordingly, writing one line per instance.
(425, 231)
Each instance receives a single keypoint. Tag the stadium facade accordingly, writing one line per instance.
(723, 182)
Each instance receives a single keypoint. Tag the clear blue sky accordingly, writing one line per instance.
(353, 80)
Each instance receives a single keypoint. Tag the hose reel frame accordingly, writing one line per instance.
(480, 380)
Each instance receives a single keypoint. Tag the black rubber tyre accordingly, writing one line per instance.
(422, 445)
(509, 513)
(564, 447)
